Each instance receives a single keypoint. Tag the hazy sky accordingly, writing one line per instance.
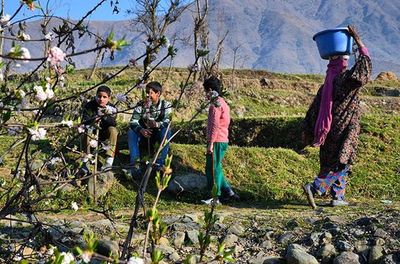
(74, 9)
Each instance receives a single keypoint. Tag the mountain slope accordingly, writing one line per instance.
(269, 34)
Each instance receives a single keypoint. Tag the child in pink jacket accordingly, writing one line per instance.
(217, 141)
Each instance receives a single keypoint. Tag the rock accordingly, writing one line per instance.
(236, 229)
(36, 164)
(179, 239)
(326, 238)
(267, 244)
(274, 260)
(379, 232)
(313, 239)
(344, 246)
(174, 257)
(296, 254)
(285, 238)
(265, 82)
(379, 241)
(187, 218)
(231, 239)
(326, 252)
(335, 219)
(259, 259)
(189, 183)
(193, 259)
(165, 249)
(193, 236)
(269, 235)
(361, 246)
(329, 225)
(292, 224)
(107, 248)
(55, 233)
(105, 180)
(27, 252)
(366, 221)
(386, 76)
(163, 241)
(390, 259)
(347, 258)
(375, 254)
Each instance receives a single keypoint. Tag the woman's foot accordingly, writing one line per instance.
(339, 203)
(310, 196)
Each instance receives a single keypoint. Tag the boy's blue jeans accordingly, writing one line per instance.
(134, 139)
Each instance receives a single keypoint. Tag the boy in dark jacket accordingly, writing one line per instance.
(99, 112)
(149, 121)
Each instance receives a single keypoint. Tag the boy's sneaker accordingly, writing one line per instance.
(211, 201)
(108, 165)
(339, 203)
(310, 195)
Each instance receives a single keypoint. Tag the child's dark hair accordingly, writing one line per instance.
(212, 83)
(104, 89)
(155, 86)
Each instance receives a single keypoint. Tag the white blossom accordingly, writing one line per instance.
(86, 256)
(37, 134)
(1, 104)
(81, 129)
(87, 157)
(17, 65)
(68, 258)
(40, 94)
(135, 260)
(49, 92)
(49, 36)
(121, 97)
(25, 55)
(93, 143)
(24, 36)
(50, 251)
(48, 79)
(74, 206)
(1, 77)
(20, 93)
(110, 110)
(5, 20)
(55, 160)
(68, 123)
(56, 55)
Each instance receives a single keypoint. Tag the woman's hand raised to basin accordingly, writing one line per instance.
(353, 32)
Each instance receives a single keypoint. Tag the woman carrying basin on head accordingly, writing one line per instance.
(333, 123)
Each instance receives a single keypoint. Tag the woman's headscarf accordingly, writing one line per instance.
(324, 120)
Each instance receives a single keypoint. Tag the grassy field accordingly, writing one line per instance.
(265, 162)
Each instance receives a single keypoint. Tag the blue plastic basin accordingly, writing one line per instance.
(333, 42)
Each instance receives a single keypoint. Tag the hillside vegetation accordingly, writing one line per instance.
(265, 162)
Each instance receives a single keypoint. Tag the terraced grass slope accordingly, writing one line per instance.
(265, 161)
